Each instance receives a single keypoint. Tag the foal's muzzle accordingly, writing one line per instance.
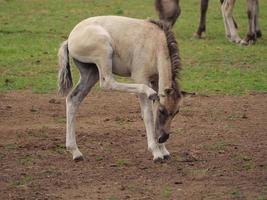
(163, 137)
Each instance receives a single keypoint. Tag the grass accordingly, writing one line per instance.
(23, 180)
(27, 160)
(219, 145)
(112, 198)
(234, 193)
(261, 197)
(32, 30)
(122, 163)
(166, 192)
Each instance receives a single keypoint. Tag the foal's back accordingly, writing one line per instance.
(134, 43)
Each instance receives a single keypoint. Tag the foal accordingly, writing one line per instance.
(144, 50)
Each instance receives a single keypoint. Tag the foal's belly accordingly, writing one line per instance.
(120, 67)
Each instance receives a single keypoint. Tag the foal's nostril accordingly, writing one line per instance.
(163, 138)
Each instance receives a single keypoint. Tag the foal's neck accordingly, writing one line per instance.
(164, 73)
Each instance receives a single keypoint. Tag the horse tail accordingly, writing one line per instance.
(64, 73)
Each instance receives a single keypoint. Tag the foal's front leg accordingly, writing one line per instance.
(159, 151)
(108, 82)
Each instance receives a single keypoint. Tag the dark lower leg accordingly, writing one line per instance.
(257, 23)
(203, 13)
(251, 12)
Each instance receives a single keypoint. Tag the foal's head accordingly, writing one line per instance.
(165, 110)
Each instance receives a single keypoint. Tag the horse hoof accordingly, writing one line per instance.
(258, 34)
(251, 42)
(199, 36)
(78, 159)
(158, 160)
(167, 157)
(244, 42)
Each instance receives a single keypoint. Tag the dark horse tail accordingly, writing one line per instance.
(64, 73)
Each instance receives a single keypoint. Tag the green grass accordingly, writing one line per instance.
(31, 31)
(166, 192)
(23, 180)
(122, 163)
(113, 198)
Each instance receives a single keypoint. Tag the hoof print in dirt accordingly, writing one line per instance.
(186, 157)
(78, 159)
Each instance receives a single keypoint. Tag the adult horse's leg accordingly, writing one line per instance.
(230, 29)
(233, 17)
(88, 77)
(258, 30)
(252, 19)
(153, 146)
(202, 23)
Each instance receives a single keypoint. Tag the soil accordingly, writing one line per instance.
(224, 137)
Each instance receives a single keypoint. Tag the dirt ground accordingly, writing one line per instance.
(225, 136)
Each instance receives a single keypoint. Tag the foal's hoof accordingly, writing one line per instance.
(78, 159)
(167, 157)
(158, 160)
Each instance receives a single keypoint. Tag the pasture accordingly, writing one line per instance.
(219, 140)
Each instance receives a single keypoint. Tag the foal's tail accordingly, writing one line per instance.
(64, 73)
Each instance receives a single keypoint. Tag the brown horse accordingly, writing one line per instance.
(169, 11)
(229, 22)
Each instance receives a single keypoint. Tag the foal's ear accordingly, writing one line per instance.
(188, 94)
(168, 91)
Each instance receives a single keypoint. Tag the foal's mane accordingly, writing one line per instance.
(173, 51)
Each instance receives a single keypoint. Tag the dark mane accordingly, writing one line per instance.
(173, 52)
(172, 46)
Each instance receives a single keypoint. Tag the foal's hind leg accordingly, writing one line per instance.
(88, 77)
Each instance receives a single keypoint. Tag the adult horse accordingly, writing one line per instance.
(144, 50)
(230, 25)
(169, 10)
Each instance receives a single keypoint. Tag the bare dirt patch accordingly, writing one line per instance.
(226, 135)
